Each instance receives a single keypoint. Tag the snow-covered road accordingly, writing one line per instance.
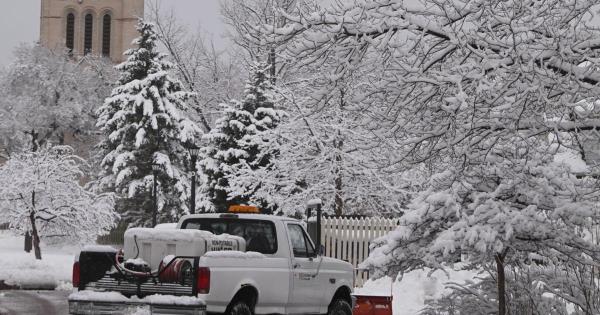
(34, 302)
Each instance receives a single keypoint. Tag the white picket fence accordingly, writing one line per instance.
(349, 239)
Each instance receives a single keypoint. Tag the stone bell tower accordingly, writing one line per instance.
(100, 27)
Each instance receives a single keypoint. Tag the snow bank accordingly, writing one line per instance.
(234, 254)
(19, 268)
(411, 293)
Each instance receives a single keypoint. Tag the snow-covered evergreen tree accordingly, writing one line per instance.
(240, 145)
(143, 125)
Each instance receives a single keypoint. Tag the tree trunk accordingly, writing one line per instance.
(272, 63)
(34, 231)
(501, 281)
(34, 141)
(339, 201)
(28, 242)
(338, 144)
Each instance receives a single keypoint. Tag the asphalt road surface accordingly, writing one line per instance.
(34, 302)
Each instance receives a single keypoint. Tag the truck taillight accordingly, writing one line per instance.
(203, 280)
(76, 273)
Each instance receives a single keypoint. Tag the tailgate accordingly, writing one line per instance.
(100, 303)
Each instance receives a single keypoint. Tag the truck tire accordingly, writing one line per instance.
(240, 308)
(340, 307)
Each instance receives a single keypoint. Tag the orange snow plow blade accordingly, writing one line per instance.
(372, 305)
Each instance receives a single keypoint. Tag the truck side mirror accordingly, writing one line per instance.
(316, 204)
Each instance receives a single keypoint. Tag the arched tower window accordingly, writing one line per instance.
(106, 24)
(88, 34)
(70, 32)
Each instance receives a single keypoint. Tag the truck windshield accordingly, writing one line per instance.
(259, 235)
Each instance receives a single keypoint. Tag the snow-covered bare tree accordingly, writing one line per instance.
(533, 288)
(143, 125)
(332, 148)
(213, 76)
(474, 91)
(239, 145)
(49, 97)
(508, 212)
(245, 17)
(41, 193)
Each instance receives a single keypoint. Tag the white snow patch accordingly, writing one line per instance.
(98, 249)
(86, 295)
(314, 202)
(572, 160)
(166, 226)
(64, 286)
(167, 234)
(22, 269)
(416, 287)
(168, 259)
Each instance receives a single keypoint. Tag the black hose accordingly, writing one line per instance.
(137, 247)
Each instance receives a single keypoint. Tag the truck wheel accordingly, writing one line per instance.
(240, 308)
(340, 307)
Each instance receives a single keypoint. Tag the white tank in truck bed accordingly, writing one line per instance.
(152, 245)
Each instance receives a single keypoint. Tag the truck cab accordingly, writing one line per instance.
(290, 278)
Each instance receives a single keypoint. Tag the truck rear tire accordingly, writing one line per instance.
(340, 307)
(240, 308)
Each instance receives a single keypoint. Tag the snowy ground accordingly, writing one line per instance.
(34, 302)
(414, 289)
(22, 269)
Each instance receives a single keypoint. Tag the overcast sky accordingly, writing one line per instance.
(20, 21)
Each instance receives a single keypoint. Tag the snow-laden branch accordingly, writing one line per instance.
(46, 185)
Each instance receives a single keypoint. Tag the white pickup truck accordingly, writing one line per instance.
(230, 263)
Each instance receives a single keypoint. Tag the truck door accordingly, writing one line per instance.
(305, 297)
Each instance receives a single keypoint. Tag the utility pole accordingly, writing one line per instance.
(194, 151)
